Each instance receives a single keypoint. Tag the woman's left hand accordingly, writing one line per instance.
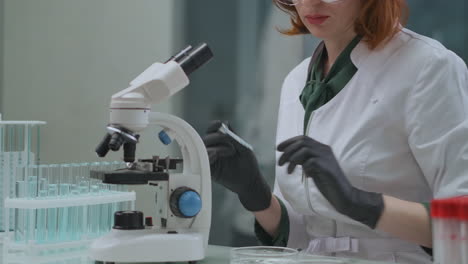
(319, 163)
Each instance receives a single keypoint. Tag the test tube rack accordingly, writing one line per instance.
(19, 146)
(56, 218)
(51, 213)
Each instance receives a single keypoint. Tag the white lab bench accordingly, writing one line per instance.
(221, 255)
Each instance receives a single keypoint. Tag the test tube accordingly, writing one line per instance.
(93, 214)
(75, 213)
(84, 179)
(119, 188)
(95, 166)
(43, 189)
(93, 210)
(52, 214)
(83, 189)
(32, 176)
(20, 214)
(453, 254)
(446, 231)
(104, 210)
(64, 192)
(108, 208)
(463, 217)
(114, 206)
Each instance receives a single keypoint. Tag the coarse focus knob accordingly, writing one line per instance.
(185, 202)
(128, 220)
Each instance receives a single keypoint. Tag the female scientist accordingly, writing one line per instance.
(370, 128)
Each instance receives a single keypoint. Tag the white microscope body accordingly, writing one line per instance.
(183, 199)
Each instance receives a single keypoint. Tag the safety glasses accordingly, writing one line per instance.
(295, 2)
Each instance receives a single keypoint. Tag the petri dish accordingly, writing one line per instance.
(321, 261)
(263, 255)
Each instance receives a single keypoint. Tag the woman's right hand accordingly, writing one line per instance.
(235, 167)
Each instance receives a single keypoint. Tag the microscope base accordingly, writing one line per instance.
(148, 246)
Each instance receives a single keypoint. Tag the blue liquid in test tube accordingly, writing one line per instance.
(74, 224)
(104, 211)
(31, 213)
(20, 214)
(43, 191)
(83, 190)
(32, 186)
(41, 220)
(115, 206)
(64, 190)
(52, 215)
(93, 214)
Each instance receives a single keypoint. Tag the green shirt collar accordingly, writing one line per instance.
(319, 89)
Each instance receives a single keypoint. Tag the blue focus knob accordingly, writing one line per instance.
(185, 202)
(164, 137)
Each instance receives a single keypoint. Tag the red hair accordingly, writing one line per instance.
(378, 21)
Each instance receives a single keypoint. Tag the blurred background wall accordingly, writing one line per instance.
(2, 16)
(61, 60)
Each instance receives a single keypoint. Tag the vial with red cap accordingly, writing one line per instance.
(450, 230)
(446, 231)
(463, 217)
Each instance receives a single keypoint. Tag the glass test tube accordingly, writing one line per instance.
(104, 210)
(114, 206)
(464, 240)
(83, 189)
(113, 188)
(93, 210)
(120, 188)
(52, 213)
(84, 177)
(95, 166)
(93, 214)
(20, 214)
(64, 192)
(43, 189)
(105, 217)
(462, 215)
(74, 228)
(32, 176)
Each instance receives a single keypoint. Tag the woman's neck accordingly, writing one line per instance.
(335, 47)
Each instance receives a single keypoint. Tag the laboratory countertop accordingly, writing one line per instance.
(221, 255)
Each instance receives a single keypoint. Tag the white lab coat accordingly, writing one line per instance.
(399, 127)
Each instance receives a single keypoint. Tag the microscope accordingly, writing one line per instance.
(183, 200)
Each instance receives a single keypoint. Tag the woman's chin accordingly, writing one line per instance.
(319, 33)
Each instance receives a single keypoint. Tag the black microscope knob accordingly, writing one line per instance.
(128, 220)
(185, 202)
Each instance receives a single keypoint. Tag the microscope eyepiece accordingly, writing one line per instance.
(194, 58)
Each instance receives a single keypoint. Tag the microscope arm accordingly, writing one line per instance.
(196, 165)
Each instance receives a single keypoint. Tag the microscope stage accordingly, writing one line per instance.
(130, 177)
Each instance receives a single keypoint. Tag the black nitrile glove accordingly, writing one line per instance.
(319, 163)
(235, 167)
